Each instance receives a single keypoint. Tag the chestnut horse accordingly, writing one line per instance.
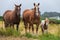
(12, 17)
(32, 16)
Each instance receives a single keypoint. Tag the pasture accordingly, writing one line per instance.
(12, 34)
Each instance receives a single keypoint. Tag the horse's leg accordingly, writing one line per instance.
(6, 25)
(10, 25)
(32, 28)
(46, 30)
(42, 28)
(13, 26)
(37, 28)
(25, 27)
(17, 26)
(29, 27)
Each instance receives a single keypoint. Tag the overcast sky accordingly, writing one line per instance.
(45, 5)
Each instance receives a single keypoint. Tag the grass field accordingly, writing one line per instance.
(53, 33)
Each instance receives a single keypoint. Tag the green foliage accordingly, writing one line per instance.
(16, 33)
(42, 18)
(28, 35)
(50, 14)
(42, 37)
(48, 37)
(1, 18)
(2, 31)
(9, 32)
(55, 21)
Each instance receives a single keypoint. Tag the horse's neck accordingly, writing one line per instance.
(39, 12)
(14, 13)
(34, 10)
(45, 22)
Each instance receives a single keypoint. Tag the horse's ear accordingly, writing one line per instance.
(34, 4)
(20, 4)
(38, 4)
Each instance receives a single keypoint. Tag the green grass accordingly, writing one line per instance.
(53, 35)
(9, 32)
(42, 37)
(28, 35)
(48, 37)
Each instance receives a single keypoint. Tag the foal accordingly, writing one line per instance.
(44, 25)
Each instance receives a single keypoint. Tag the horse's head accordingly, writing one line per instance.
(36, 8)
(18, 8)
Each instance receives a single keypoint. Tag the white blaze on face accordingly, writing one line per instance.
(37, 10)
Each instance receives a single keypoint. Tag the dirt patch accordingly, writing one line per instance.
(15, 38)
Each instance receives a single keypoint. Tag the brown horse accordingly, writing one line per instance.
(12, 17)
(32, 16)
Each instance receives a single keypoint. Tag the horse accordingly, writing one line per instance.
(32, 16)
(12, 17)
(44, 25)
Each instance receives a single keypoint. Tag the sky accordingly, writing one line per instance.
(45, 5)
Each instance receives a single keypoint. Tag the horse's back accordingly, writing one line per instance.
(8, 11)
(27, 12)
(7, 14)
